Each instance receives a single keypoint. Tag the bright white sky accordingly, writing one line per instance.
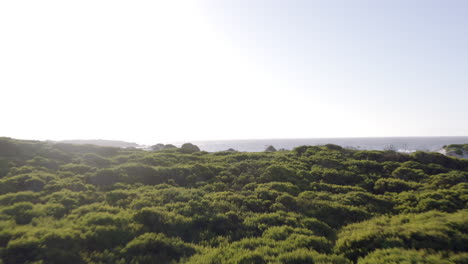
(160, 71)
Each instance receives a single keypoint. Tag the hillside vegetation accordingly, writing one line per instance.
(63, 203)
(457, 150)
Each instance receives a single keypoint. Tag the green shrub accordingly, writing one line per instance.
(399, 255)
(157, 247)
(382, 186)
(432, 230)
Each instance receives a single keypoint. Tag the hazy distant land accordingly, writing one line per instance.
(399, 144)
(102, 142)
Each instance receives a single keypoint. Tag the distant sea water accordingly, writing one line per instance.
(401, 144)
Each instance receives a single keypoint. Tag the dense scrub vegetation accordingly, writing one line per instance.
(64, 203)
(457, 149)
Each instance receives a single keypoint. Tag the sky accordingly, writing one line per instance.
(165, 71)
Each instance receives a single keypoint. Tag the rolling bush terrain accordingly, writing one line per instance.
(63, 203)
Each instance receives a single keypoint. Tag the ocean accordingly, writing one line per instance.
(402, 144)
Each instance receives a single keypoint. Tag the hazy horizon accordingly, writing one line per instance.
(252, 140)
(185, 71)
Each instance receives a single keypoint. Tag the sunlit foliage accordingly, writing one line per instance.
(62, 203)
